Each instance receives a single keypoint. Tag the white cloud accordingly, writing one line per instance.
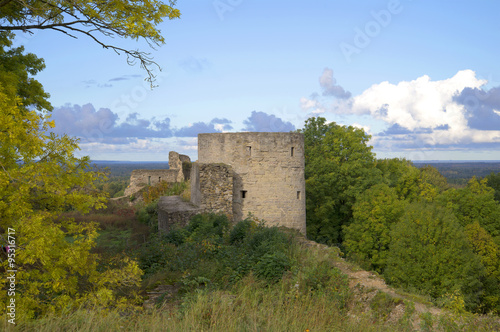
(221, 127)
(312, 105)
(329, 85)
(360, 126)
(420, 103)
(425, 112)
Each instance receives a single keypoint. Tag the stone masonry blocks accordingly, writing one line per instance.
(142, 177)
(216, 187)
(268, 175)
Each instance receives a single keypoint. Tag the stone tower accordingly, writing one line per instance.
(267, 175)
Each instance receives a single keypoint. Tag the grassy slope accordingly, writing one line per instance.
(251, 305)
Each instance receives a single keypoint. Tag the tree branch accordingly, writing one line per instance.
(4, 2)
(41, 26)
(82, 23)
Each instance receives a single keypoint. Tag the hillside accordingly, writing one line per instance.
(207, 278)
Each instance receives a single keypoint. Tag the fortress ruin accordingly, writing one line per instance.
(175, 173)
(237, 174)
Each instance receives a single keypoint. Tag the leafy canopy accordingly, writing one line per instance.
(39, 179)
(339, 165)
(476, 202)
(494, 182)
(430, 252)
(368, 237)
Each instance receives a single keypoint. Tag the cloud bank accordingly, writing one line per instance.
(329, 85)
(91, 125)
(454, 113)
(263, 122)
(214, 126)
(102, 133)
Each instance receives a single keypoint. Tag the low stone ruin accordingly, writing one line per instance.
(175, 173)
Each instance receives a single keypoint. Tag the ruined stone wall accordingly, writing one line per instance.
(154, 176)
(142, 177)
(216, 187)
(195, 184)
(268, 174)
(174, 212)
(175, 161)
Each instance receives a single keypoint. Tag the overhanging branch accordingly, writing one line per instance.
(145, 61)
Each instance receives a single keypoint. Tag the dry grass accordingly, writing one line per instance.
(249, 305)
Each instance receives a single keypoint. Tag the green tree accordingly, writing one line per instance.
(430, 252)
(410, 182)
(339, 165)
(494, 182)
(489, 252)
(368, 237)
(432, 176)
(97, 20)
(40, 178)
(393, 170)
(476, 202)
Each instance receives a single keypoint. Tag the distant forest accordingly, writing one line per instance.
(457, 173)
(125, 168)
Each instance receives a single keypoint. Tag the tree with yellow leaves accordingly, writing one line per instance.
(46, 257)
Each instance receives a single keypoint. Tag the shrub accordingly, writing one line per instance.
(156, 255)
(267, 240)
(271, 266)
(120, 193)
(318, 276)
(149, 215)
(176, 236)
(207, 225)
(152, 193)
(241, 230)
(430, 253)
(176, 189)
(382, 304)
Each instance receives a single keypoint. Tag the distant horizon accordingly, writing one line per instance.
(413, 161)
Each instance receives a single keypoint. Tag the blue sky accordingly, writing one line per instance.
(422, 77)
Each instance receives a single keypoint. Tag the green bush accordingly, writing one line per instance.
(208, 248)
(156, 255)
(176, 236)
(119, 194)
(318, 277)
(149, 215)
(321, 277)
(271, 266)
(207, 225)
(430, 253)
(241, 230)
(267, 240)
(382, 304)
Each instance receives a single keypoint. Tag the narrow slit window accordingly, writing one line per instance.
(249, 150)
(298, 194)
(243, 193)
(291, 151)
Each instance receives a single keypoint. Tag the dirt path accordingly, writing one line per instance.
(366, 287)
(367, 284)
